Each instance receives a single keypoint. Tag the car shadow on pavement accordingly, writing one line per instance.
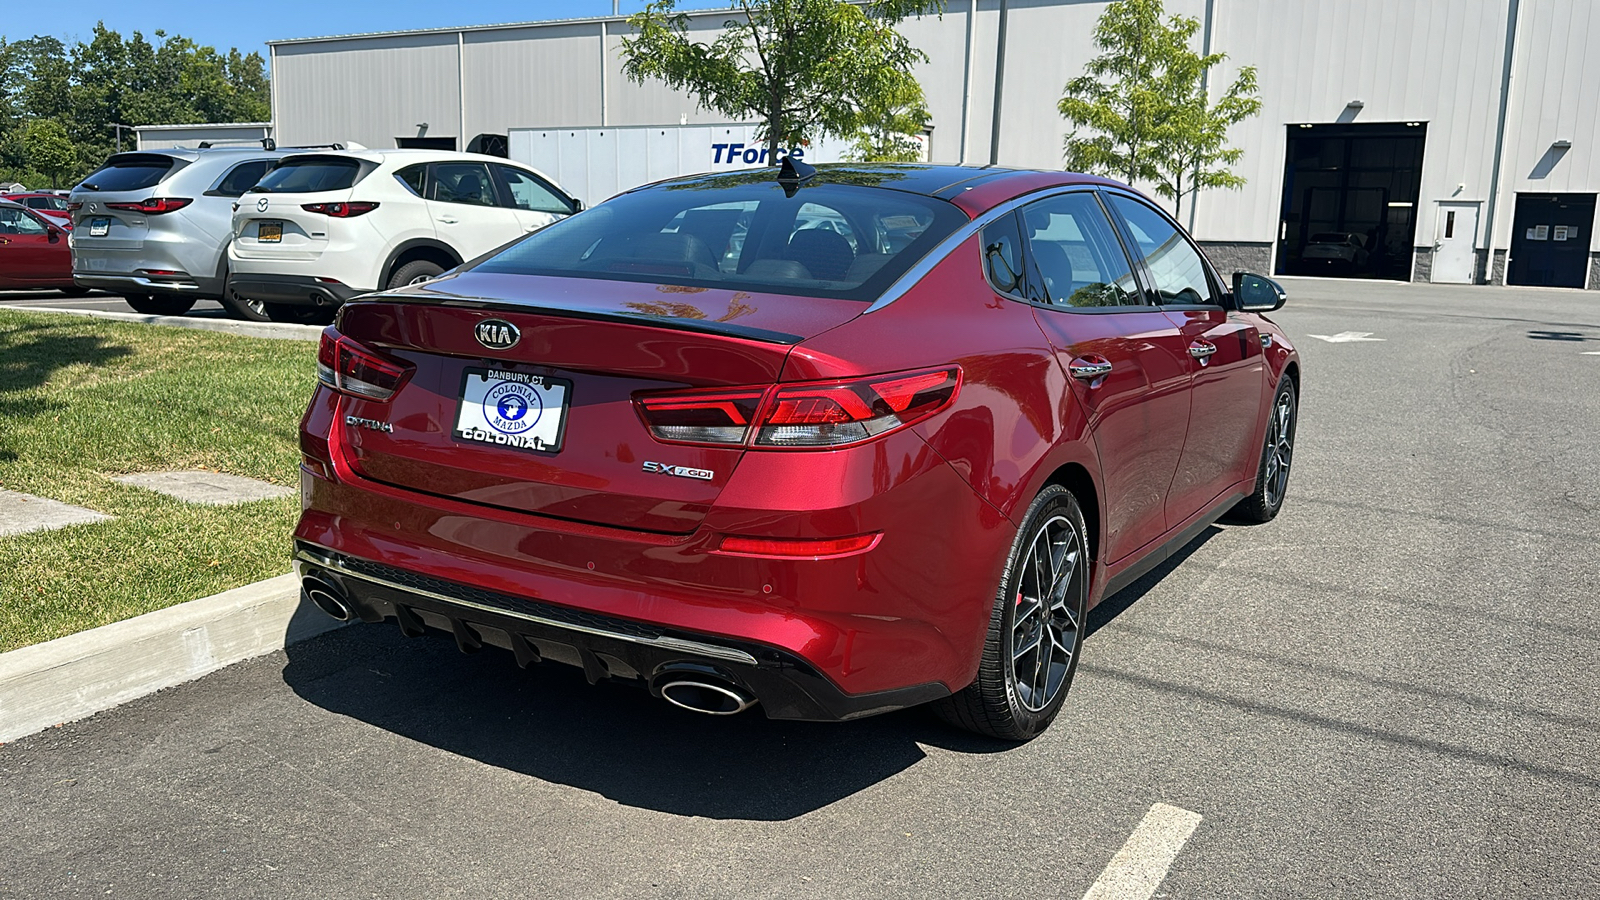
(613, 739)
(1116, 604)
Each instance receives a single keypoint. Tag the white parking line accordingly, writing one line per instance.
(1139, 867)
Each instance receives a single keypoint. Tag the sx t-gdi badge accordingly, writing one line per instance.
(496, 334)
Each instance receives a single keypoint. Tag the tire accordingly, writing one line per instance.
(418, 270)
(242, 308)
(1277, 455)
(296, 314)
(1018, 694)
(152, 305)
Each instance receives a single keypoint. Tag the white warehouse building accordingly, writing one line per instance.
(1442, 140)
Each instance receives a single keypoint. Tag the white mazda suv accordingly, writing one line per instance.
(321, 228)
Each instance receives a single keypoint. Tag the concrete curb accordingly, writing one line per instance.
(81, 674)
(278, 330)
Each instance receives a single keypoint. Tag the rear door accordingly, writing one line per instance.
(1225, 362)
(1124, 359)
(465, 206)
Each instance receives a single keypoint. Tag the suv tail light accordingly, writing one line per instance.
(803, 415)
(340, 210)
(153, 206)
(74, 207)
(358, 370)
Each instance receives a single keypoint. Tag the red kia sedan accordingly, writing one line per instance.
(34, 252)
(830, 441)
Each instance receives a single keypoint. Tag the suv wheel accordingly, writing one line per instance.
(152, 305)
(1035, 629)
(414, 272)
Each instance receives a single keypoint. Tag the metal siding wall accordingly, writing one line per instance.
(547, 76)
(166, 139)
(368, 90)
(653, 103)
(1433, 61)
(945, 41)
(1556, 94)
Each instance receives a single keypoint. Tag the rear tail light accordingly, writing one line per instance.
(74, 207)
(153, 206)
(800, 416)
(772, 548)
(352, 368)
(340, 210)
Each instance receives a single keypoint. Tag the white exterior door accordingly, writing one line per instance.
(1454, 242)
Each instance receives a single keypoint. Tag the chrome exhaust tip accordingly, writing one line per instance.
(707, 697)
(327, 598)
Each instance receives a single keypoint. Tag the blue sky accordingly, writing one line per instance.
(249, 24)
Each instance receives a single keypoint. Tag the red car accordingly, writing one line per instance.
(51, 206)
(34, 252)
(693, 439)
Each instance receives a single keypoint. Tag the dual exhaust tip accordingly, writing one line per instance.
(686, 689)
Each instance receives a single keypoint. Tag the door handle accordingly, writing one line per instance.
(1089, 368)
(448, 221)
(1201, 349)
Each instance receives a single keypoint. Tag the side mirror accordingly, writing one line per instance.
(55, 233)
(577, 205)
(1257, 293)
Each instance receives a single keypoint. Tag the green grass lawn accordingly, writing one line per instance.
(82, 400)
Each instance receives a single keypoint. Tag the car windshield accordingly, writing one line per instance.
(840, 241)
(309, 175)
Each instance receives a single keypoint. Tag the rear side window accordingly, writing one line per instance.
(242, 178)
(1077, 254)
(528, 192)
(130, 173)
(413, 177)
(45, 203)
(829, 240)
(1002, 255)
(1175, 265)
(310, 175)
(462, 183)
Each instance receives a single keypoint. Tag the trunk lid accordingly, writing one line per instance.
(125, 178)
(594, 344)
(270, 220)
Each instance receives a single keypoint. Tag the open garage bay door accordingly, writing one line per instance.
(1350, 200)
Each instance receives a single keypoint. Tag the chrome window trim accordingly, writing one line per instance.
(713, 651)
(960, 236)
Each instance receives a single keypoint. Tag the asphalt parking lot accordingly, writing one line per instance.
(1388, 691)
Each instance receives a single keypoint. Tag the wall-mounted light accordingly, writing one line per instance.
(1562, 145)
(1355, 104)
(1413, 124)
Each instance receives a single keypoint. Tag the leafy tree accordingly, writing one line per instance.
(889, 125)
(49, 149)
(803, 68)
(1143, 104)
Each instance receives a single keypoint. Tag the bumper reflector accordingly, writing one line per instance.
(771, 548)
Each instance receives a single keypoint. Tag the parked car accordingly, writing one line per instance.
(770, 480)
(34, 251)
(1335, 249)
(322, 228)
(49, 204)
(153, 225)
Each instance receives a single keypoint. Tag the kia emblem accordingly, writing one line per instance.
(261, 205)
(497, 334)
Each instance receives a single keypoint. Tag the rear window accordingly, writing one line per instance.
(310, 175)
(242, 177)
(130, 173)
(828, 240)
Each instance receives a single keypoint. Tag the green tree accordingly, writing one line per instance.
(803, 68)
(889, 126)
(49, 149)
(1140, 111)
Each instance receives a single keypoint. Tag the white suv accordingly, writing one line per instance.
(321, 228)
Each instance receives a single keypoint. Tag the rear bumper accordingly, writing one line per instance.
(786, 685)
(295, 290)
(138, 284)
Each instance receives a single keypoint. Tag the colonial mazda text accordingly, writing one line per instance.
(828, 441)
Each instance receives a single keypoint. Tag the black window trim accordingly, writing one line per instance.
(427, 178)
(1022, 251)
(1152, 294)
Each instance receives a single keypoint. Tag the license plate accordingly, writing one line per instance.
(512, 409)
(269, 232)
(99, 227)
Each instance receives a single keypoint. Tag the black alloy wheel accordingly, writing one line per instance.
(1036, 628)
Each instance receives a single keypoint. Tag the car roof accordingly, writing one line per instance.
(410, 155)
(973, 188)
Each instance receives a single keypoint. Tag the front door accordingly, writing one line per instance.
(1550, 240)
(1455, 243)
(28, 257)
(466, 210)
